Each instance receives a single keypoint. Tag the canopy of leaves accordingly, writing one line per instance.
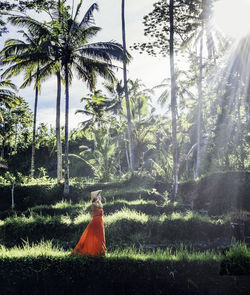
(157, 25)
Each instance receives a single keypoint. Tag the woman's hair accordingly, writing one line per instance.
(94, 199)
(98, 196)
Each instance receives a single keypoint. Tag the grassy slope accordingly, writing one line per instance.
(135, 217)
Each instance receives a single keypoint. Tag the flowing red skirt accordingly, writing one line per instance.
(92, 241)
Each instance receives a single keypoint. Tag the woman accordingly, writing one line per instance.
(92, 241)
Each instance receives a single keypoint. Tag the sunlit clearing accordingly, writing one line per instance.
(232, 17)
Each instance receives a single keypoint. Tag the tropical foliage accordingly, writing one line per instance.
(170, 141)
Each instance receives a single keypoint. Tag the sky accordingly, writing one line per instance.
(150, 70)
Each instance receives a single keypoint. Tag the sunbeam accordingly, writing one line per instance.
(232, 17)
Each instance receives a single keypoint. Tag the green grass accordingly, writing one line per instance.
(40, 236)
(35, 214)
(163, 255)
(47, 249)
(47, 269)
(123, 228)
(149, 207)
(34, 250)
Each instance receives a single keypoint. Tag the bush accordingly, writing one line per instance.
(236, 261)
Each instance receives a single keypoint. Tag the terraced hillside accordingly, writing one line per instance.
(153, 246)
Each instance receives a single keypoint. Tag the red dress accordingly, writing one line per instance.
(92, 241)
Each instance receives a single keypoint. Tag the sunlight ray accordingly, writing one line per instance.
(232, 17)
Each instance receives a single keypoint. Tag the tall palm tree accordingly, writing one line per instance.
(200, 96)
(71, 49)
(173, 99)
(88, 59)
(51, 66)
(206, 30)
(130, 134)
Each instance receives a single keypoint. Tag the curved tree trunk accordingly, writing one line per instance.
(130, 134)
(66, 157)
(173, 101)
(32, 169)
(58, 129)
(199, 115)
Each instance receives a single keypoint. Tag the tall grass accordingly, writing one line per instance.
(164, 255)
(49, 249)
(128, 215)
(41, 249)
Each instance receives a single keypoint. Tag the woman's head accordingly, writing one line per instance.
(96, 195)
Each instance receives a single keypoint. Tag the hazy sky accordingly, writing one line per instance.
(149, 69)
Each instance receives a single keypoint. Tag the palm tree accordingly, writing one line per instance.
(173, 99)
(8, 98)
(27, 56)
(96, 106)
(206, 30)
(87, 59)
(116, 92)
(200, 94)
(58, 128)
(70, 48)
(51, 66)
(130, 134)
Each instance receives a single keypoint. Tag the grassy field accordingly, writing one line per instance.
(152, 246)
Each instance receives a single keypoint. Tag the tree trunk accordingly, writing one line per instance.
(32, 169)
(239, 142)
(130, 135)
(3, 145)
(66, 157)
(58, 129)
(15, 145)
(2, 152)
(12, 196)
(173, 101)
(127, 157)
(199, 115)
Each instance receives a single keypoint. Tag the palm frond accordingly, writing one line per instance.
(12, 47)
(8, 83)
(105, 51)
(80, 36)
(32, 24)
(82, 159)
(88, 17)
(78, 10)
(163, 97)
(93, 67)
(6, 92)
(16, 68)
(84, 112)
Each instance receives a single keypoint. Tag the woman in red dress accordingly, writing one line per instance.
(92, 241)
